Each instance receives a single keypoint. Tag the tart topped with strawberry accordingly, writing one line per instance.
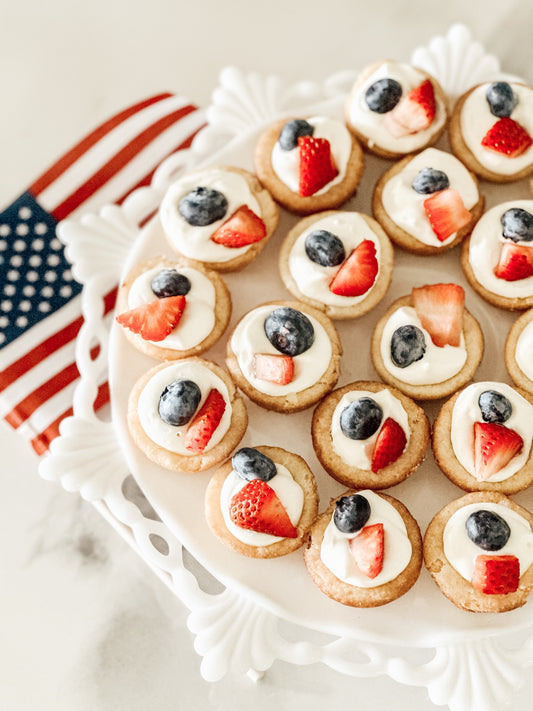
(395, 109)
(309, 164)
(491, 130)
(221, 217)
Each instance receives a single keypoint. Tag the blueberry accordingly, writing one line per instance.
(501, 99)
(178, 402)
(250, 463)
(407, 345)
(289, 331)
(517, 225)
(351, 513)
(383, 95)
(430, 180)
(203, 206)
(168, 282)
(494, 406)
(361, 418)
(291, 131)
(324, 248)
(487, 530)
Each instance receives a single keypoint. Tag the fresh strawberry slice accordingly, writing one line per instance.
(205, 422)
(508, 137)
(413, 113)
(273, 368)
(317, 167)
(440, 309)
(367, 549)
(357, 273)
(446, 213)
(155, 320)
(257, 507)
(494, 447)
(496, 574)
(244, 227)
(390, 443)
(516, 262)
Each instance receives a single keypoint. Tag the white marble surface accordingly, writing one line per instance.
(84, 624)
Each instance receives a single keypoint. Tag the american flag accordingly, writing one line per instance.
(40, 303)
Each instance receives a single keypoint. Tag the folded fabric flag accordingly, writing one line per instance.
(40, 311)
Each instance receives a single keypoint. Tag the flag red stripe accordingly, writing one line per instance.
(88, 142)
(117, 163)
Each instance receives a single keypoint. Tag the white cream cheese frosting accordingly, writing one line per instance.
(524, 350)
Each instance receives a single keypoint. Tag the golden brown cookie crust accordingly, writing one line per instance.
(451, 583)
(222, 308)
(269, 214)
(196, 462)
(297, 401)
(401, 237)
(348, 594)
(331, 198)
(517, 374)
(301, 474)
(376, 293)
(351, 476)
(474, 344)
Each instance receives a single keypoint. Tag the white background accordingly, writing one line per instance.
(83, 623)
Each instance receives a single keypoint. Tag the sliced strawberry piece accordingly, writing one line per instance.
(440, 309)
(446, 213)
(496, 574)
(357, 273)
(508, 137)
(317, 167)
(367, 549)
(257, 507)
(244, 227)
(413, 113)
(205, 422)
(494, 447)
(155, 320)
(516, 262)
(389, 445)
(273, 368)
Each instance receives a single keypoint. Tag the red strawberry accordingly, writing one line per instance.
(440, 310)
(446, 213)
(317, 167)
(496, 574)
(390, 443)
(508, 137)
(156, 319)
(242, 228)
(367, 549)
(413, 112)
(357, 273)
(257, 507)
(516, 262)
(274, 368)
(205, 422)
(494, 447)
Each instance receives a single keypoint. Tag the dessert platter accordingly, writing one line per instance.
(464, 659)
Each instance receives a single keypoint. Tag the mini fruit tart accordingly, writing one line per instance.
(482, 438)
(221, 217)
(518, 350)
(479, 550)
(338, 262)
(309, 164)
(395, 109)
(491, 130)
(186, 415)
(369, 435)
(170, 309)
(365, 550)
(427, 203)
(262, 502)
